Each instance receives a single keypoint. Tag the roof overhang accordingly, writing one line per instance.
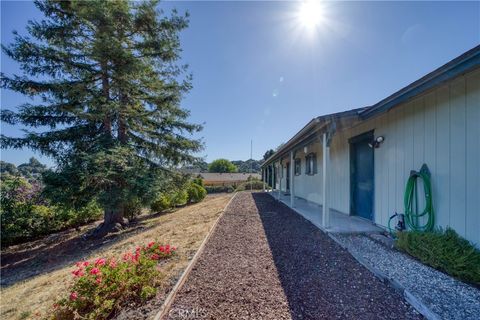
(317, 125)
(468, 61)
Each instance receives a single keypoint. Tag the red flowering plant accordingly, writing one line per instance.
(103, 286)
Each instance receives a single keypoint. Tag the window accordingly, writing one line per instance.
(311, 164)
(298, 166)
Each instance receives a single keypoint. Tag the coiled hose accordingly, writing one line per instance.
(412, 215)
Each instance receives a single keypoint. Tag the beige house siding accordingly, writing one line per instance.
(440, 128)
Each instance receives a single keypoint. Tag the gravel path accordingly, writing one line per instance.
(447, 297)
(264, 261)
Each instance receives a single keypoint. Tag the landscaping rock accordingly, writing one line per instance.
(438, 295)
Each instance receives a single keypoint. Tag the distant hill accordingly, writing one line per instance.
(244, 166)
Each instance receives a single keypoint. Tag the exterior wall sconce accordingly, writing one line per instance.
(376, 142)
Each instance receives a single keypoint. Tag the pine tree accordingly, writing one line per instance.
(106, 87)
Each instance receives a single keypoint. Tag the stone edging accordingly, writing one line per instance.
(168, 301)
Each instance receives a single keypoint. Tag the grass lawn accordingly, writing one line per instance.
(35, 274)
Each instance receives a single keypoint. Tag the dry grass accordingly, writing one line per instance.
(185, 228)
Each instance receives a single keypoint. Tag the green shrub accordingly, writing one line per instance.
(162, 203)
(132, 208)
(179, 198)
(251, 185)
(219, 189)
(198, 180)
(104, 286)
(445, 251)
(26, 215)
(91, 212)
(196, 193)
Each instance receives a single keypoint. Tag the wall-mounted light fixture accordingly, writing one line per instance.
(376, 142)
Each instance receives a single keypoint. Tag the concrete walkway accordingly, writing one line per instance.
(339, 222)
(264, 261)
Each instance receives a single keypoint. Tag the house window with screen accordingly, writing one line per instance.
(311, 164)
(298, 166)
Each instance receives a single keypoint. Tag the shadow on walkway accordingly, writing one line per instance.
(320, 279)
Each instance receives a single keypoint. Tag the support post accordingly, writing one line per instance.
(292, 189)
(274, 178)
(263, 179)
(279, 173)
(326, 159)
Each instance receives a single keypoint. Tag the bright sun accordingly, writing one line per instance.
(310, 14)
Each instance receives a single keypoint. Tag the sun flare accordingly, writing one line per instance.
(310, 13)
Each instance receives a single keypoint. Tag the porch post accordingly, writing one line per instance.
(272, 166)
(279, 173)
(270, 177)
(292, 190)
(326, 159)
(263, 179)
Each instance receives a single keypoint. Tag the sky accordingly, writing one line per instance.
(260, 72)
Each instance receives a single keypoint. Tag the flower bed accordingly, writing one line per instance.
(103, 286)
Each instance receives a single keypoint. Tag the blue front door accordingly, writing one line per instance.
(362, 179)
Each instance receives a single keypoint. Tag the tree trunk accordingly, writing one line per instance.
(113, 221)
(107, 122)
(122, 128)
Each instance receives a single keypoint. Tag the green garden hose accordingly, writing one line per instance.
(412, 215)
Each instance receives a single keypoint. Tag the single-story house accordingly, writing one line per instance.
(358, 162)
(225, 179)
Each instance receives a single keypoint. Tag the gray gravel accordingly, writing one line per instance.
(264, 261)
(446, 297)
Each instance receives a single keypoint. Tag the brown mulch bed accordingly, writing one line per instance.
(264, 261)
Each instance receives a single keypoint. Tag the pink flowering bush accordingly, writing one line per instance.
(103, 286)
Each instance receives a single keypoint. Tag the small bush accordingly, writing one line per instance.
(25, 214)
(162, 203)
(89, 213)
(132, 209)
(251, 185)
(219, 189)
(198, 180)
(196, 193)
(179, 198)
(104, 286)
(445, 251)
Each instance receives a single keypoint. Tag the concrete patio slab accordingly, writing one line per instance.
(339, 222)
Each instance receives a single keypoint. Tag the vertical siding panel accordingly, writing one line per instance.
(381, 199)
(347, 169)
(473, 157)
(388, 165)
(430, 137)
(377, 156)
(441, 182)
(400, 158)
(418, 150)
(409, 138)
(392, 154)
(380, 177)
(390, 173)
(419, 134)
(457, 155)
